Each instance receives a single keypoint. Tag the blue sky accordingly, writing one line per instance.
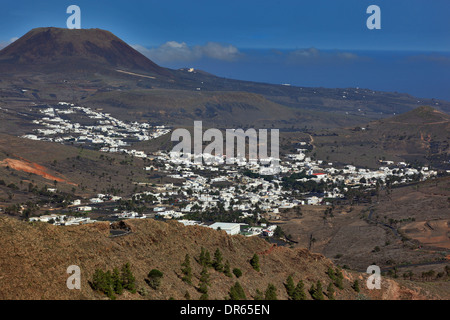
(323, 24)
(301, 42)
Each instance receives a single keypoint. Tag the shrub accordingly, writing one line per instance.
(237, 272)
(154, 278)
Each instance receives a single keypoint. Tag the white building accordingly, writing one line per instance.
(230, 228)
(84, 208)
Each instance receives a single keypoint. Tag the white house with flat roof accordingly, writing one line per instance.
(230, 228)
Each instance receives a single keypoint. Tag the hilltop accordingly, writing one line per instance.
(79, 50)
(35, 256)
(423, 115)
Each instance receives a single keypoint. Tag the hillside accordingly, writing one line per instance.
(418, 136)
(35, 256)
(409, 226)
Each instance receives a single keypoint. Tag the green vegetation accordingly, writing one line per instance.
(271, 292)
(204, 283)
(237, 272)
(186, 269)
(205, 258)
(299, 292)
(331, 273)
(237, 292)
(227, 269)
(316, 292)
(254, 261)
(292, 183)
(112, 283)
(259, 295)
(117, 282)
(290, 286)
(355, 285)
(154, 279)
(339, 279)
(330, 291)
(217, 263)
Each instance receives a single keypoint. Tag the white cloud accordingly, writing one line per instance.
(4, 44)
(305, 53)
(313, 54)
(217, 51)
(173, 51)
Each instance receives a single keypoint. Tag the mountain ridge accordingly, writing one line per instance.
(93, 66)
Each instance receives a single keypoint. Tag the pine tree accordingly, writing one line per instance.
(204, 282)
(356, 285)
(237, 292)
(318, 293)
(187, 270)
(258, 295)
(271, 292)
(203, 288)
(290, 286)
(331, 274)
(227, 269)
(202, 258)
(108, 289)
(128, 280)
(339, 279)
(330, 291)
(299, 292)
(204, 276)
(217, 263)
(117, 281)
(207, 261)
(312, 290)
(255, 262)
(97, 280)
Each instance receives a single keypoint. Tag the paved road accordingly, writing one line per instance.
(118, 233)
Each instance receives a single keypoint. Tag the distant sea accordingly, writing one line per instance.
(421, 74)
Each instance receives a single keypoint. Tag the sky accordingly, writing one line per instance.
(306, 43)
